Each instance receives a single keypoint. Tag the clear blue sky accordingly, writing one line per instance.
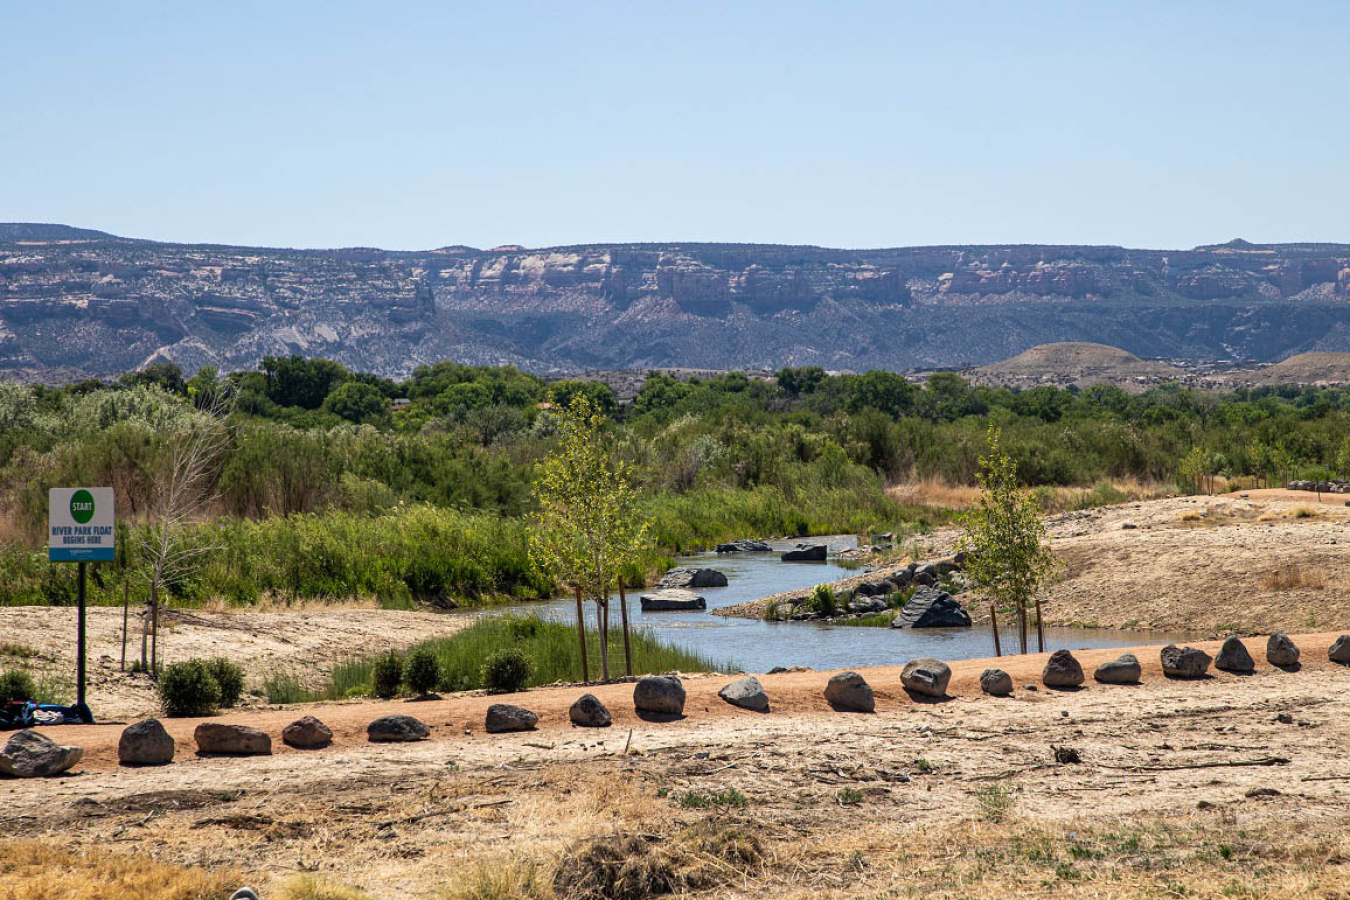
(415, 125)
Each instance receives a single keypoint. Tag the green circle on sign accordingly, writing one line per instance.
(82, 506)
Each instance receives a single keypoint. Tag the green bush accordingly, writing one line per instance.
(422, 672)
(506, 671)
(16, 684)
(188, 689)
(387, 676)
(229, 678)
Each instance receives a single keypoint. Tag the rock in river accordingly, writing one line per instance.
(744, 547)
(806, 553)
(692, 577)
(673, 599)
(932, 608)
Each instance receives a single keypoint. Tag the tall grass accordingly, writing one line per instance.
(551, 647)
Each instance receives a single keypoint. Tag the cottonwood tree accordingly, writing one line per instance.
(1006, 542)
(586, 529)
(183, 492)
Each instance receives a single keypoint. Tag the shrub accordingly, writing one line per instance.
(422, 672)
(506, 671)
(188, 689)
(229, 679)
(822, 600)
(16, 684)
(387, 675)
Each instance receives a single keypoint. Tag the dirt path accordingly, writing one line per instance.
(845, 805)
(306, 643)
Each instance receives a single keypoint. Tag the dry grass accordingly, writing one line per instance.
(1291, 575)
(1303, 511)
(936, 493)
(310, 887)
(32, 870)
(1191, 515)
(501, 879)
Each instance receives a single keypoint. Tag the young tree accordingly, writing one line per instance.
(586, 528)
(1007, 546)
(182, 493)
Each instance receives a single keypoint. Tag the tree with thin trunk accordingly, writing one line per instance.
(183, 492)
(586, 529)
(1006, 542)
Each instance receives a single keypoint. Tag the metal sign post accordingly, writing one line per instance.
(81, 528)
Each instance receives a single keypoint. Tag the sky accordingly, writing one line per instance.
(411, 125)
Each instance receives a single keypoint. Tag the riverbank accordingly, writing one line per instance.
(957, 798)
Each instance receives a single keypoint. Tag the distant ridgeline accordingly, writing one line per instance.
(76, 303)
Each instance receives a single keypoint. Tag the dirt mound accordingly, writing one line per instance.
(1304, 368)
(1079, 364)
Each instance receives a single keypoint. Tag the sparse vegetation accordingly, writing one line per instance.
(728, 797)
(422, 672)
(996, 800)
(16, 685)
(1292, 575)
(387, 675)
(285, 688)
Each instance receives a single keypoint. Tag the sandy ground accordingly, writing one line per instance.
(305, 642)
(845, 804)
(1190, 564)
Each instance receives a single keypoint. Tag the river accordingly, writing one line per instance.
(757, 646)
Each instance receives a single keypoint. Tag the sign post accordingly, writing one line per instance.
(81, 529)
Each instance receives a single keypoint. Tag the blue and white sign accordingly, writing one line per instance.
(80, 525)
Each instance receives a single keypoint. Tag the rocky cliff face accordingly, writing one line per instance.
(75, 303)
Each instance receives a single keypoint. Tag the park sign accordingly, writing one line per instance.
(80, 525)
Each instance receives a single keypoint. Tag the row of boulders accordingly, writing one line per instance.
(1325, 487)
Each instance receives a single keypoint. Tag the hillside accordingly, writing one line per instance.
(1322, 368)
(1074, 363)
(75, 303)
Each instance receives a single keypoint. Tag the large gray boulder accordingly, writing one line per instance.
(672, 600)
(850, 691)
(503, 717)
(231, 740)
(1339, 651)
(1280, 651)
(747, 693)
(996, 682)
(926, 676)
(1233, 656)
(1062, 670)
(307, 733)
(589, 712)
(744, 547)
(1124, 669)
(806, 553)
(692, 577)
(659, 694)
(1184, 662)
(145, 743)
(32, 755)
(932, 607)
(397, 729)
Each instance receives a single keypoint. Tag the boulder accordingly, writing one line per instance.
(1062, 670)
(589, 712)
(1124, 669)
(32, 755)
(307, 733)
(503, 717)
(1339, 651)
(900, 579)
(395, 729)
(1280, 651)
(850, 691)
(868, 605)
(747, 693)
(660, 694)
(145, 743)
(231, 740)
(932, 607)
(672, 600)
(996, 682)
(926, 676)
(1184, 662)
(806, 553)
(1233, 656)
(744, 547)
(926, 579)
(692, 577)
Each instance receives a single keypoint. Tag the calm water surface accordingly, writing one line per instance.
(757, 646)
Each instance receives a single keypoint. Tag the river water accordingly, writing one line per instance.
(757, 646)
